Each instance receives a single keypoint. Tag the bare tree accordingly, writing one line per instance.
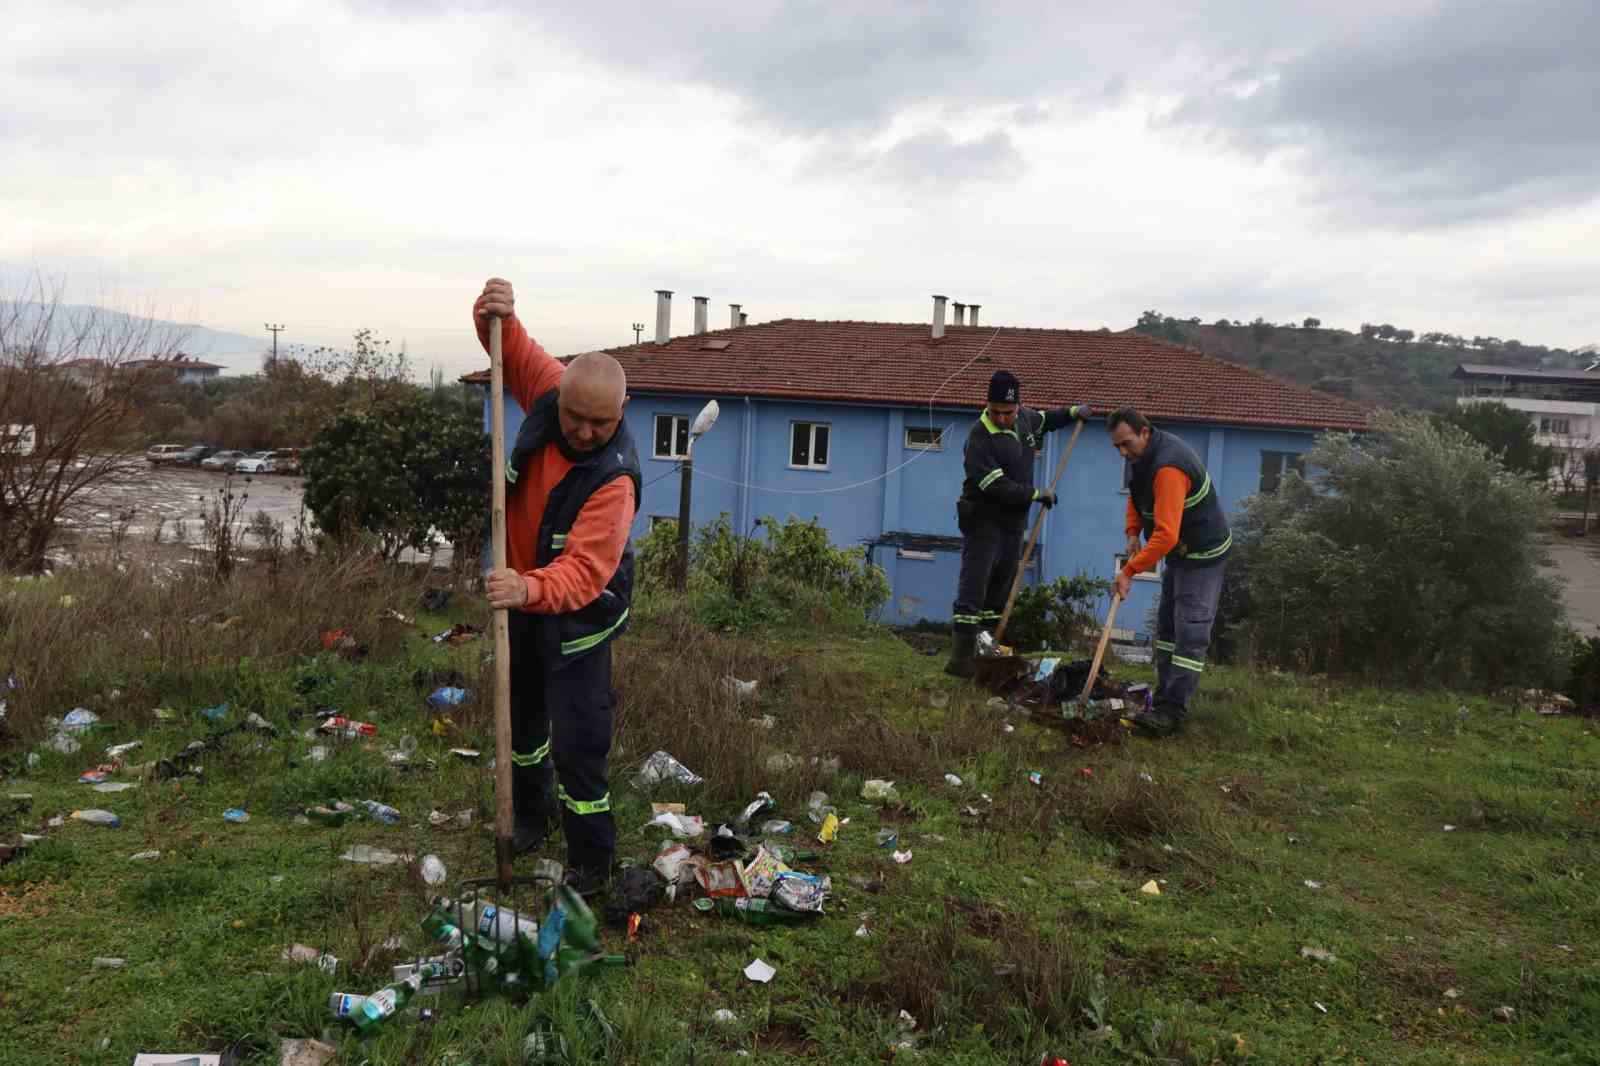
(70, 383)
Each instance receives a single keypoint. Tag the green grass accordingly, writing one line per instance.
(1008, 934)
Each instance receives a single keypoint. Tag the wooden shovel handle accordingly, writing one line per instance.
(1033, 536)
(1100, 651)
(502, 632)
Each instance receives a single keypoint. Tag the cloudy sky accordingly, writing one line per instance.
(368, 163)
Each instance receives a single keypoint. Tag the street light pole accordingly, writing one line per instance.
(702, 422)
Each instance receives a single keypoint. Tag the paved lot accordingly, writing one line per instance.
(1577, 565)
(177, 497)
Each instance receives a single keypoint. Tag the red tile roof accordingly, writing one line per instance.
(901, 364)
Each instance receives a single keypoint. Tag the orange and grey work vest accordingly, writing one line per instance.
(1203, 538)
(569, 636)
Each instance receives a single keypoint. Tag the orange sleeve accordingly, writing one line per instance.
(530, 370)
(1171, 489)
(594, 549)
(1132, 525)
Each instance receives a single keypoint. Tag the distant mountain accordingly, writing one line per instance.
(237, 353)
(1380, 365)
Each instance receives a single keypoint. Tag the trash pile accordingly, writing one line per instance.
(741, 871)
(1049, 695)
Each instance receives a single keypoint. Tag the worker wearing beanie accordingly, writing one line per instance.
(993, 508)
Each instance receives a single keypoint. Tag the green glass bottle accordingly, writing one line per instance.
(754, 911)
(391, 1000)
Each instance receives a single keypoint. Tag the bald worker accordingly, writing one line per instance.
(572, 490)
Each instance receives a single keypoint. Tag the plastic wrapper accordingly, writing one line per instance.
(830, 829)
(877, 791)
(762, 802)
(802, 892)
(676, 863)
(663, 767)
(761, 873)
(683, 826)
(722, 879)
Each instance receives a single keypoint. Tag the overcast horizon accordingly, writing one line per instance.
(368, 164)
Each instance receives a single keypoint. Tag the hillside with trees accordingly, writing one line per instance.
(1378, 365)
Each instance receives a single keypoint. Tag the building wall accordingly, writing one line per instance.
(875, 484)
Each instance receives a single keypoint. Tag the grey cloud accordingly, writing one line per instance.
(1467, 111)
(935, 157)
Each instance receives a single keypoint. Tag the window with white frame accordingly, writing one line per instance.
(1276, 464)
(1121, 560)
(1556, 427)
(808, 445)
(925, 438)
(672, 437)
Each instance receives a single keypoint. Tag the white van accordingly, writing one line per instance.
(16, 438)
(162, 453)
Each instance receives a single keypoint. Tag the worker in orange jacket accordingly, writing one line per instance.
(1173, 505)
(573, 488)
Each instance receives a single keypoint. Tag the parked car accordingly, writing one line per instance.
(286, 460)
(17, 438)
(163, 453)
(221, 460)
(192, 455)
(256, 463)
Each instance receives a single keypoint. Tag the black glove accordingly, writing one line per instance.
(1046, 500)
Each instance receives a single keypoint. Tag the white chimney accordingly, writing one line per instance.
(744, 318)
(972, 314)
(961, 313)
(938, 317)
(733, 316)
(663, 315)
(700, 313)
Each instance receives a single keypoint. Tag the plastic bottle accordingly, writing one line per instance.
(488, 921)
(345, 1004)
(382, 812)
(753, 911)
(335, 815)
(98, 817)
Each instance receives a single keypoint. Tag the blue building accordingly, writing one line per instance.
(862, 425)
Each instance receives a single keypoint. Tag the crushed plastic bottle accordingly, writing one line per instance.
(382, 812)
(98, 817)
(236, 814)
(663, 767)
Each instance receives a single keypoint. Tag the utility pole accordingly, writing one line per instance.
(638, 328)
(275, 330)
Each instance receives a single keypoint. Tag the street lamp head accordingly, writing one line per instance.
(705, 419)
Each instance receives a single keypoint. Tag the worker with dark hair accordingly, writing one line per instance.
(993, 508)
(1173, 504)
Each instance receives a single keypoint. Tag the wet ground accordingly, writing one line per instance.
(175, 500)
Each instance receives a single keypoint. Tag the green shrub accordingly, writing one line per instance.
(1409, 556)
(742, 582)
(1056, 614)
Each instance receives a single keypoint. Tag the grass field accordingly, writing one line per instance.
(1293, 814)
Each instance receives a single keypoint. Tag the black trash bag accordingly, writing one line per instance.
(434, 599)
(1066, 683)
(725, 844)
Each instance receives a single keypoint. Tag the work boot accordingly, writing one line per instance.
(530, 834)
(963, 649)
(588, 881)
(1157, 723)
